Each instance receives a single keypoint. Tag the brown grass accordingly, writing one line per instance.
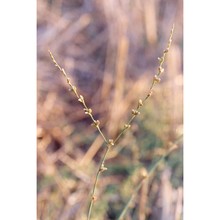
(100, 45)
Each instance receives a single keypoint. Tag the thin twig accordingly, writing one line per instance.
(101, 169)
(150, 174)
(135, 112)
(155, 80)
(96, 123)
(131, 199)
(87, 110)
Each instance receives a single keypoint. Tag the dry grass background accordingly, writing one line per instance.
(110, 49)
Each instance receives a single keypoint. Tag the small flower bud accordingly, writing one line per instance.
(156, 79)
(150, 93)
(127, 126)
(102, 168)
(74, 89)
(96, 123)
(161, 69)
(68, 80)
(88, 111)
(81, 99)
(143, 173)
(161, 59)
(94, 198)
(135, 112)
(111, 142)
(166, 51)
(140, 102)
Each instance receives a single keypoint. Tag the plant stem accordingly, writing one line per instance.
(80, 98)
(155, 80)
(131, 199)
(135, 112)
(101, 169)
(137, 188)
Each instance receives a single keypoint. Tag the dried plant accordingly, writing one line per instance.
(112, 142)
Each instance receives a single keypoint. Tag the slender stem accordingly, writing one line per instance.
(152, 170)
(103, 136)
(100, 170)
(87, 110)
(155, 80)
(124, 129)
(131, 199)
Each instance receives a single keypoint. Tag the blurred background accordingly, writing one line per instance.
(110, 50)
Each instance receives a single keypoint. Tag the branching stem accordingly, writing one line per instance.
(109, 143)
